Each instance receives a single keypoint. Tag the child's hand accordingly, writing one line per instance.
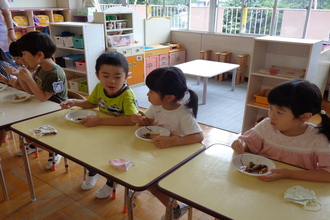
(137, 118)
(163, 141)
(11, 70)
(239, 146)
(13, 82)
(279, 173)
(24, 74)
(4, 79)
(67, 104)
(91, 121)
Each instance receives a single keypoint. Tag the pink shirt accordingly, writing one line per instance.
(310, 150)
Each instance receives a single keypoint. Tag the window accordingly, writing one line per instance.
(291, 18)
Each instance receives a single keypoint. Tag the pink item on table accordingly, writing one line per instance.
(121, 163)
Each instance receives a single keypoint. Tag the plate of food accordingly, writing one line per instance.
(17, 97)
(253, 165)
(144, 134)
(3, 87)
(79, 115)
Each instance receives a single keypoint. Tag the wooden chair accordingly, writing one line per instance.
(222, 57)
(75, 95)
(205, 54)
(242, 60)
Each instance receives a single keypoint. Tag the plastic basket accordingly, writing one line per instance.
(83, 87)
(78, 42)
(81, 65)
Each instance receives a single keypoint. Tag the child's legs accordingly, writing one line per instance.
(3, 134)
(37, 145)
(161, 196)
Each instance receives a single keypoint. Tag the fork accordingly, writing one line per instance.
(240, 159)
(149, 129)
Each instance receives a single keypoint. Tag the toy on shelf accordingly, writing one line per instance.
(284, 71)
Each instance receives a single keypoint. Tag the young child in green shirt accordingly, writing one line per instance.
(112, 96)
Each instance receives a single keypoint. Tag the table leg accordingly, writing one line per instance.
(129, 196)
(233, 80)
(66, 164)
(3, 184)
(204, 90)
(169, 209)
(27, 169)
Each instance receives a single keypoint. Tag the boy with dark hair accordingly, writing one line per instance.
(49, 80)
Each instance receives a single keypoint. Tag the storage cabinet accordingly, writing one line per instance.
(93, 45)
(123, 31)
(53, 15)
(285, 52)
(121, 22)
(177, 56)
(163, 60)
(136, 69)
(151, 63)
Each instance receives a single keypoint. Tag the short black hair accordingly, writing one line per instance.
(35, 41)
(300, 96)
(112, 58)
(14, 50)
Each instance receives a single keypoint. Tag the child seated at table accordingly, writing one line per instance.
(287, 136)
(49, 80)
(4, 78)
(5, 61)
(114, 97)
(167, 88)
(19, 61)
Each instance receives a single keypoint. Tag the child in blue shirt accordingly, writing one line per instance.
(114, 97)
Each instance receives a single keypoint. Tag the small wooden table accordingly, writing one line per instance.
(211, 184)
(207, 69)
(101, 144)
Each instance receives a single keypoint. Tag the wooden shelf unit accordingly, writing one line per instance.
(285, 52)
(29, 12)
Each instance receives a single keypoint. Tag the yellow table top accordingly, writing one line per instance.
(94, 147)
(210, 183)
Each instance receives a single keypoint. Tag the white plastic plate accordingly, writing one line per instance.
(256, 159)
(154, 129)
(78, 115)
(17, 97)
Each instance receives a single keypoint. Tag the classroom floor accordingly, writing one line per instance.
(59, 195)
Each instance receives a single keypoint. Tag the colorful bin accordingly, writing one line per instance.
(78, 42)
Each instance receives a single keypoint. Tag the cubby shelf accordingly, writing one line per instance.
(279, 51)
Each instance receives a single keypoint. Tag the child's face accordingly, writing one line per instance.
(19, 60)
(154, 98)
(283, 120)
(30, 59)
(112, 78)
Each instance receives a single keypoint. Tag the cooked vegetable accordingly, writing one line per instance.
(256, 169)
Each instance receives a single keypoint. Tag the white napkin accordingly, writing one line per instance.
(305, 197)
